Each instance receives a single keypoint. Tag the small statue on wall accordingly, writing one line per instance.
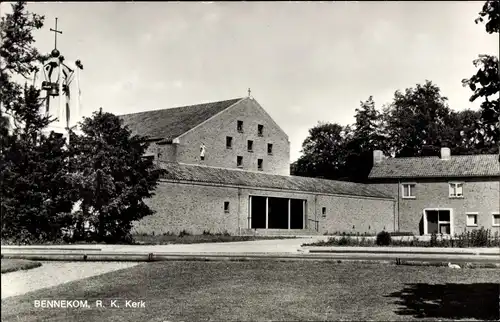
(202, 151)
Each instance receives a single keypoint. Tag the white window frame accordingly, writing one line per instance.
(412, 194)
(451, 191)
(452, 230)
(493, 214)
(467, 218)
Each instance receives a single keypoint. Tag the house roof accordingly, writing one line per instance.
(197, 173)
(485, 165)
(172, 122)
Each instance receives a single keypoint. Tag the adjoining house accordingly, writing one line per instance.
(447, 194)
(228, 169)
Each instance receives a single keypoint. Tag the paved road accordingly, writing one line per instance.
(255, 246)
(54, 273)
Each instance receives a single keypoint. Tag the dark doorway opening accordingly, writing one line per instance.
(297, 214)
(282, 213)
(278, 213)
(258, 214)
(438, 221)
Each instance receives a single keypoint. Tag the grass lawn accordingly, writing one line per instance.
(285, 291)
(195, 239)
(12, 265)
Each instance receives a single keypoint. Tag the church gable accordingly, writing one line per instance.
(243, 136)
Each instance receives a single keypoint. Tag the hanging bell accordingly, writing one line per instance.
(54, 90)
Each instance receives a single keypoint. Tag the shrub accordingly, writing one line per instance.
(434, 240)
(383, 239)
(184, 233)
(480, 237)
(206, 233)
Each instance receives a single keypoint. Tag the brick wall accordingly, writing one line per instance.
(480, 195)
(199, 207)
(355, 214)
(213, 134)
(193, 208)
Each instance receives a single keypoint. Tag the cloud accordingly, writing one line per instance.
(178, 84)
(211, 17)
(157, 86)
(145, 38)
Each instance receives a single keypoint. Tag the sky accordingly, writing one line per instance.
(305, 62)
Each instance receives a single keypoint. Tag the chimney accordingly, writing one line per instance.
(445, 153)
(378, 156)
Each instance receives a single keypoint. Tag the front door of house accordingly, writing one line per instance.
(438, 221)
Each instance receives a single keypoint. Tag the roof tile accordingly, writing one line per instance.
(485, 165)
(197, 173)
(173, 122)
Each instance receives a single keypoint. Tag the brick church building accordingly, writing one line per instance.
(228, 170)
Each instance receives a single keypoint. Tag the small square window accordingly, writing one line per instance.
(260, 164)
(239, 161)
(229, 142)
(260, 130)
(240, 126)
(250, 146)
(323, 211)
(226, 206)
(269, 148)
(472, 219)
(496, 220)
(456, 190)
(408, 190)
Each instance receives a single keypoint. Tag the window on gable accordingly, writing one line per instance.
(229, 142)
(472, 219)
(239, 126)
(408, 190)
(260, 164)
(269, 148)
(226, 206)
(456, 190)
(496, 220)
(250, 146)
(239, 161)
(260, 130)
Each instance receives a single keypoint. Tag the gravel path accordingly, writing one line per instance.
(55, 273)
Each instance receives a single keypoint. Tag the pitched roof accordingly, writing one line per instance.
(173, 122)
(197, 173)
(485, 165)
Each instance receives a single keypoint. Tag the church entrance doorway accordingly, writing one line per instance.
(276, 213)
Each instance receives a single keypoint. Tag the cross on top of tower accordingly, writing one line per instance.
(249, 92)
(55, 52)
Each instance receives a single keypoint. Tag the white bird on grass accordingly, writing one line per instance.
(450, 265)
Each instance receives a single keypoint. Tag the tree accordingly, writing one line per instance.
(468, 133)
(367, 136)
(34, 185)
(417, 118)
(324, 152)
(113, 177)
(486, 82)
